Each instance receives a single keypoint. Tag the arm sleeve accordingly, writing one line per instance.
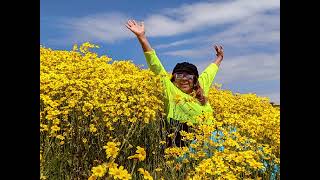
(155, 66)
(207, 76)
(154, 63)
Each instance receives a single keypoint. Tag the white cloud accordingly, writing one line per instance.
(109, 27)
(259, 29)
(193, 17)
(254, 67)
(100, 27)
(189, 53)
(178, 43)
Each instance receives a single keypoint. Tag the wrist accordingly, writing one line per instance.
(219, 58)
(141, 36)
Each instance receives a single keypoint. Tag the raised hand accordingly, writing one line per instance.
(219, 54)
(137, 29)
(219, 50)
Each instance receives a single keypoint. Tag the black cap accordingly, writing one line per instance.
(186, 67)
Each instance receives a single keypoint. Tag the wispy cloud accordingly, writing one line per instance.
(189, 53)
(259, 68)
(259, 29)
(179, 43)
(243, 36)
(262, 28)
(253, 67)
(193, 17)
(109, 27)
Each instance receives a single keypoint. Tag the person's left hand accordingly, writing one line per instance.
(219, 50)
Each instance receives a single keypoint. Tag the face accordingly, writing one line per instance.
(184, 81)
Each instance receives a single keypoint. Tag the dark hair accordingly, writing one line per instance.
(186, 67)
(191, 69)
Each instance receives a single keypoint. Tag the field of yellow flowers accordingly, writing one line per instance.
(103, 119)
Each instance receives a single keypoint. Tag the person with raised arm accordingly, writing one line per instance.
(186, 92)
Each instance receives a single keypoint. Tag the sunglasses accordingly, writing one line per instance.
(180, 76)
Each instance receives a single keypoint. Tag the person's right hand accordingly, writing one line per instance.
(137, 29)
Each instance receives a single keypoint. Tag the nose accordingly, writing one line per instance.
(184, 78)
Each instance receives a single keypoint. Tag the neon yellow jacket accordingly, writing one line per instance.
(179, 105)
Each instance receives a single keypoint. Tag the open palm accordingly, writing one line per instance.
(137, 29)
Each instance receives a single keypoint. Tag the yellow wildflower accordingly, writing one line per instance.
(99, 171)
(56, 121)
(44, 127)
(120, 173)
(111, 165)
(92, 128)
(146, 174)
(140, 154)
(158, 169)
(60, 137)
(112, 149)
(55, 128)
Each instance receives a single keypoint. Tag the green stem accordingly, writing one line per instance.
(134, 165)
(126, 137)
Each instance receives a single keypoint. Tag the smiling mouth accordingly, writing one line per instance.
(184, 83)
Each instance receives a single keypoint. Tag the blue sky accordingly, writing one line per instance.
(179, 30)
